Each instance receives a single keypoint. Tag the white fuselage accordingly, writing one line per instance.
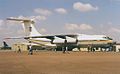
(53, 40)
(79, 40)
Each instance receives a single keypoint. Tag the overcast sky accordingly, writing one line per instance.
(62, 16)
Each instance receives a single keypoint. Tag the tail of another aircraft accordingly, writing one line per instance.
(28, 26)
(5, 44)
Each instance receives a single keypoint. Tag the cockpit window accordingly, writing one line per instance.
(108, 38)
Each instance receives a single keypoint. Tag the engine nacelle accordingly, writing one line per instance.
(68, 40)
(58, 40)
(71, 40)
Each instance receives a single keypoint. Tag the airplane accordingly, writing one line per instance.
(61, 40)
(5, 46)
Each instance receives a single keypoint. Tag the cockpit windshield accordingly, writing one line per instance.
(108, 38)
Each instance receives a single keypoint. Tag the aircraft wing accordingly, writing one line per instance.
(49, 37)
(53, 36)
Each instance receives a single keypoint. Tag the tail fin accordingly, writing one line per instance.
(5, 44)
(28, 26)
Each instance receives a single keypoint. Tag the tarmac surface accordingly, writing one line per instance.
(49, 62)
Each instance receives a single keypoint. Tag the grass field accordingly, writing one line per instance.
(49, 62)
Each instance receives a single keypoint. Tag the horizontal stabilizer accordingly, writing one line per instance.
(19, 19)
(14, 38)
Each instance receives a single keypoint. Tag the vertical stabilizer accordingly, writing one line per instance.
(28, 26)
(5, 44)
